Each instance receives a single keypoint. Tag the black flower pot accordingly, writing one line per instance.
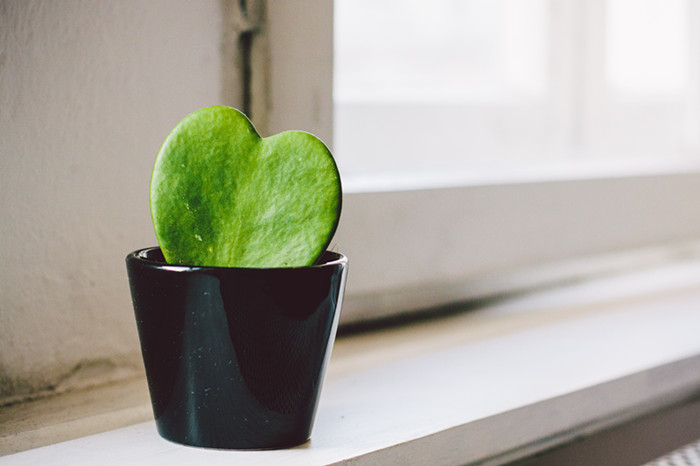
(235, 357)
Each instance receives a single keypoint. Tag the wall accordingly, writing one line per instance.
(88, 92)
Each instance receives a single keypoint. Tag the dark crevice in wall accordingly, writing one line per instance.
(243, 5)
(243, 54)
(245, 47)
(248, 23)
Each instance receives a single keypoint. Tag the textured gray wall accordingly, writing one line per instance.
(88, 92)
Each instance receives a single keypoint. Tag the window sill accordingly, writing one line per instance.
(503, 382)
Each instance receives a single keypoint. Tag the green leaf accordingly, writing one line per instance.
(223, 196)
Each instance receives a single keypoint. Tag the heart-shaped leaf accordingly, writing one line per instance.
(223, 196)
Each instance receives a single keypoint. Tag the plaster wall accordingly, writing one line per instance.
(88, 92)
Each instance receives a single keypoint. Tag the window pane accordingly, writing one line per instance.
(442, 50)
(481, 85)
(647, 52)
(423, 85)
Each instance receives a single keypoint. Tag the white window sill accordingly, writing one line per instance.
(493, 384)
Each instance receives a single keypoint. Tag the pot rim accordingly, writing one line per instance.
(141, 256)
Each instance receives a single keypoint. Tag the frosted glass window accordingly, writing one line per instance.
(459, 86)
(441, 50)
(647, 46)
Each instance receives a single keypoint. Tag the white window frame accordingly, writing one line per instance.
(417, 248)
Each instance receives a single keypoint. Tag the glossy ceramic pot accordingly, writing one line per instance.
(235, 357)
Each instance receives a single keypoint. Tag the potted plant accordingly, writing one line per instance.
(238, 307)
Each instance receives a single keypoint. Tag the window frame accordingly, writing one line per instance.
(415, 248)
